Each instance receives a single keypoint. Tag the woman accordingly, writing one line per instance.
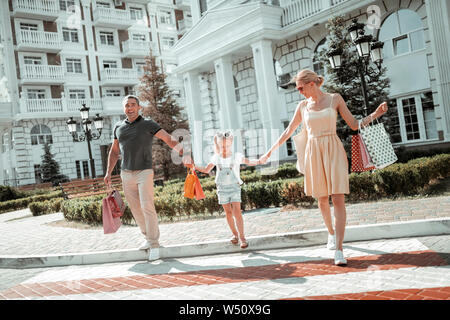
(326, 165)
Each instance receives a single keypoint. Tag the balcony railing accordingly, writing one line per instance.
(45, 74)
(74, 105)
(107, 17)
(41, 106)
(39, 40)
(302, 9)
(48, 9)
(135, 49)
(117, 76)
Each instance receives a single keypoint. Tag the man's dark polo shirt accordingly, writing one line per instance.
(135, 141)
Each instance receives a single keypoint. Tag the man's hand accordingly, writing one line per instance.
(187, 161)
(107, 179)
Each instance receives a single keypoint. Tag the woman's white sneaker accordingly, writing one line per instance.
(145, 245)
(339, 259)
(154, 254)
(331, 244)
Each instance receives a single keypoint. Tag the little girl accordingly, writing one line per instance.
(228, 182)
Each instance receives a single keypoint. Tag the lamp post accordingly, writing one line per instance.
(367, 49)
(88, 134)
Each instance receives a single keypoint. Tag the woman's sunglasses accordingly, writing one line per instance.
(225, 134)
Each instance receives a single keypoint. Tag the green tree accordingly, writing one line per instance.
(347, 81)
(163, 109)
(50, 168)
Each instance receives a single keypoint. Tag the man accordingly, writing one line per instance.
(133, 141)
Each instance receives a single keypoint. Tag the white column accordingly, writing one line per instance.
(228, 112)
(438, 20)
(268, 96)
(195, 115)
(195, 11)
(90, 47)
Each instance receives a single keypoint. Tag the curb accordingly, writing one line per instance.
(416, 228)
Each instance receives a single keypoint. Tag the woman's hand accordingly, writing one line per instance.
(382, 109)
(263, 159)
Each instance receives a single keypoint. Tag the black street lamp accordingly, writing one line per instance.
(367, 49)
(88, 134)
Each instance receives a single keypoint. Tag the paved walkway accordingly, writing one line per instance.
(413, 268)
(23, 234)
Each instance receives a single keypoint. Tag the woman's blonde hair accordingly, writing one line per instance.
(307, 76)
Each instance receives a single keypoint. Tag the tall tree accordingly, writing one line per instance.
(347, 81)
(163, 109)
(50, 168)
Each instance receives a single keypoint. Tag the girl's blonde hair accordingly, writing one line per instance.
(307, 76)
(216, 143)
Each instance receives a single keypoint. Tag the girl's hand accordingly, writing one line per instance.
(382, 109)
(264, 158)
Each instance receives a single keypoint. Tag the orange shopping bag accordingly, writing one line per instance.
(198, 190)
(189, 184)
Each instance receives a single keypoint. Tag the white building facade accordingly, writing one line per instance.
(237, 52)
(56, 55)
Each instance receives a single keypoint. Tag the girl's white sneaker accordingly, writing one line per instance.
(339, 259)
(331, 244)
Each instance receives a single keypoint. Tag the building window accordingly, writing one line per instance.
(167, 42)
(236, 89)
(318, 66)
(138, 37)
(41, 134)
(37, 173)
(136, 13)
(28, 26)
(289, 144)
(203, 6)
(140, 67)
(77, 94)
(102, 4)
(402, 33)
(429, 116)
(74, 65)
(394, 127)
(106, 38)
(70, 35)
(112, 93)
(67, 5)
(32, 60)
(108, 64)
(35, 93)
(85, 169)
(416, 119)
(77, 166)
(165, 17)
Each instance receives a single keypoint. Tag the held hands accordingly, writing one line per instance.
(188, 162)
(263, 159)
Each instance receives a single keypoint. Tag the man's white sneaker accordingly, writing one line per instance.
(145, 245)
(331, 244)
(339, 259)
(154, 254)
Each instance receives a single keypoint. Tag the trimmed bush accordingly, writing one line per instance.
(10, 193)
(395, 180)
(24, 202)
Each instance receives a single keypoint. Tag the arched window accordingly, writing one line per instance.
(41, 134)
(402, 32)
(318, 66)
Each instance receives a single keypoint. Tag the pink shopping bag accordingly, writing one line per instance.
(366, 160)
(110, 224)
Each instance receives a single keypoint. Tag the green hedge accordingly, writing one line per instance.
(395, 180)
(23, 203)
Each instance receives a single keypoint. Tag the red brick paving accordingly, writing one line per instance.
(220, 276)
(403, 294)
